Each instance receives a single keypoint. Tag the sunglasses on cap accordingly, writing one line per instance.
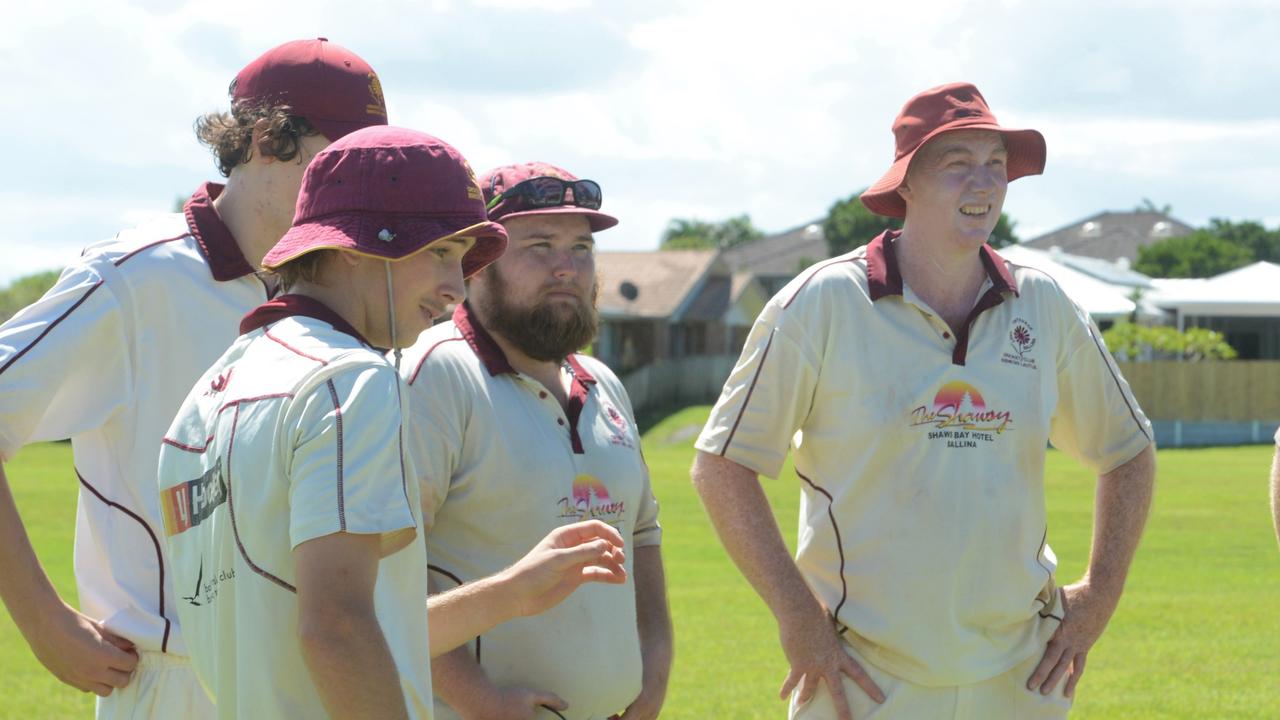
(544, 192)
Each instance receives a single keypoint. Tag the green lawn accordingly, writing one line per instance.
(1197, 635)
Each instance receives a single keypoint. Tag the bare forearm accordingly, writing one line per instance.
(352, 666)
(1275, 492)
(24, 586)
(741, 515)
(1120, 512)
(653, 617)
(459, 680)
(464, 612)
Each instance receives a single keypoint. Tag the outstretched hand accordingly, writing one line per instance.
(569, 556)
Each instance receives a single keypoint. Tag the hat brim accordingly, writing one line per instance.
(598, 220)
(358, 233)
(1026, 156)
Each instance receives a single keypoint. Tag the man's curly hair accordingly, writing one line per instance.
(229, 135)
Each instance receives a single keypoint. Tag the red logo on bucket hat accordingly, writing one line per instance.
(957, 106)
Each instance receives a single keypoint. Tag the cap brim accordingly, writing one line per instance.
(598, 220)
(1026, 156)
(358, 233)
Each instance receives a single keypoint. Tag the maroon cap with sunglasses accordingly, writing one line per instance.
(327, 84)
(388, 192)
(538, 188)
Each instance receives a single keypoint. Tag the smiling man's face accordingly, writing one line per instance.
(956, 185)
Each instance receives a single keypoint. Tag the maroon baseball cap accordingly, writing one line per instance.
(501, 179)
(388, 192)
(946, 108)
(325, 83)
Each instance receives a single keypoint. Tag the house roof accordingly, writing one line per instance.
(784, 254)
(1112, 235)
(1098, 298)
(664, 279)
(1246, 291)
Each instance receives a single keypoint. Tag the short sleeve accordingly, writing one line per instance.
(647, 530)
(64, 361)
(766, 398)
(1097, 419)
(346, 472)
(438, 414)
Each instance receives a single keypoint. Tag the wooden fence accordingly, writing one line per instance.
(1211, 391)
(693, 379)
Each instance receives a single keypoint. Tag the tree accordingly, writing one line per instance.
(1147, 206)
(24, 291)
(1128, 341)
(850, 225)
(1202, 253)
(686, 234)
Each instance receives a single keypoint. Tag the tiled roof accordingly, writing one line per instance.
(663, 278)
(1112, 235)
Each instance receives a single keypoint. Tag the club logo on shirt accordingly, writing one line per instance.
(219, 383)
(959, 416)
(191, 503)
(590, 501)
(620, 433)
(1021, 339)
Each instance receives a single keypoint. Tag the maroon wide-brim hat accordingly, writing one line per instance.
(388, 192)
(495, 181)
(947, 108)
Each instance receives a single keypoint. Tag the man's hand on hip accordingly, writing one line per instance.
(816, 654)
(1085, 613)
(82, 653)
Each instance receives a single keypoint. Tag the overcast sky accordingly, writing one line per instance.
(700, 109)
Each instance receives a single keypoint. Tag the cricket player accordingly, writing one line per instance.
(108, 354)
(515, 434)
(916, 381)
(1275, 487)
(290, 509)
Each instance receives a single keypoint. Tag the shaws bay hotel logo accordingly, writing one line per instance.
(590, 501)
(959, 416)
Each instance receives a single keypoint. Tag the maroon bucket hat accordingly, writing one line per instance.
(330, 86)
(499, 184)
(946, 108)
(388, 192)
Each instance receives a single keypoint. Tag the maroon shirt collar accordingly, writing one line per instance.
(291, 305)
(218, 246)
(884, 277)
(491, 354)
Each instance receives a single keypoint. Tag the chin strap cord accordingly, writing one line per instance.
(391, 314)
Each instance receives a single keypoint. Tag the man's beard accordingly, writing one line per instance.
(541, 332)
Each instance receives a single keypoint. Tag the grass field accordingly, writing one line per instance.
(1197, 634)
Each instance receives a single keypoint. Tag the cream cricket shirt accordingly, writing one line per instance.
(295, 433)
(501, 465)
(922, 454)
(105, 358)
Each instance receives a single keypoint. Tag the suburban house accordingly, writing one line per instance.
(1112, 235)
(666, 304)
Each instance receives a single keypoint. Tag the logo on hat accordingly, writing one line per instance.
(473, 190)
(379, 105)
